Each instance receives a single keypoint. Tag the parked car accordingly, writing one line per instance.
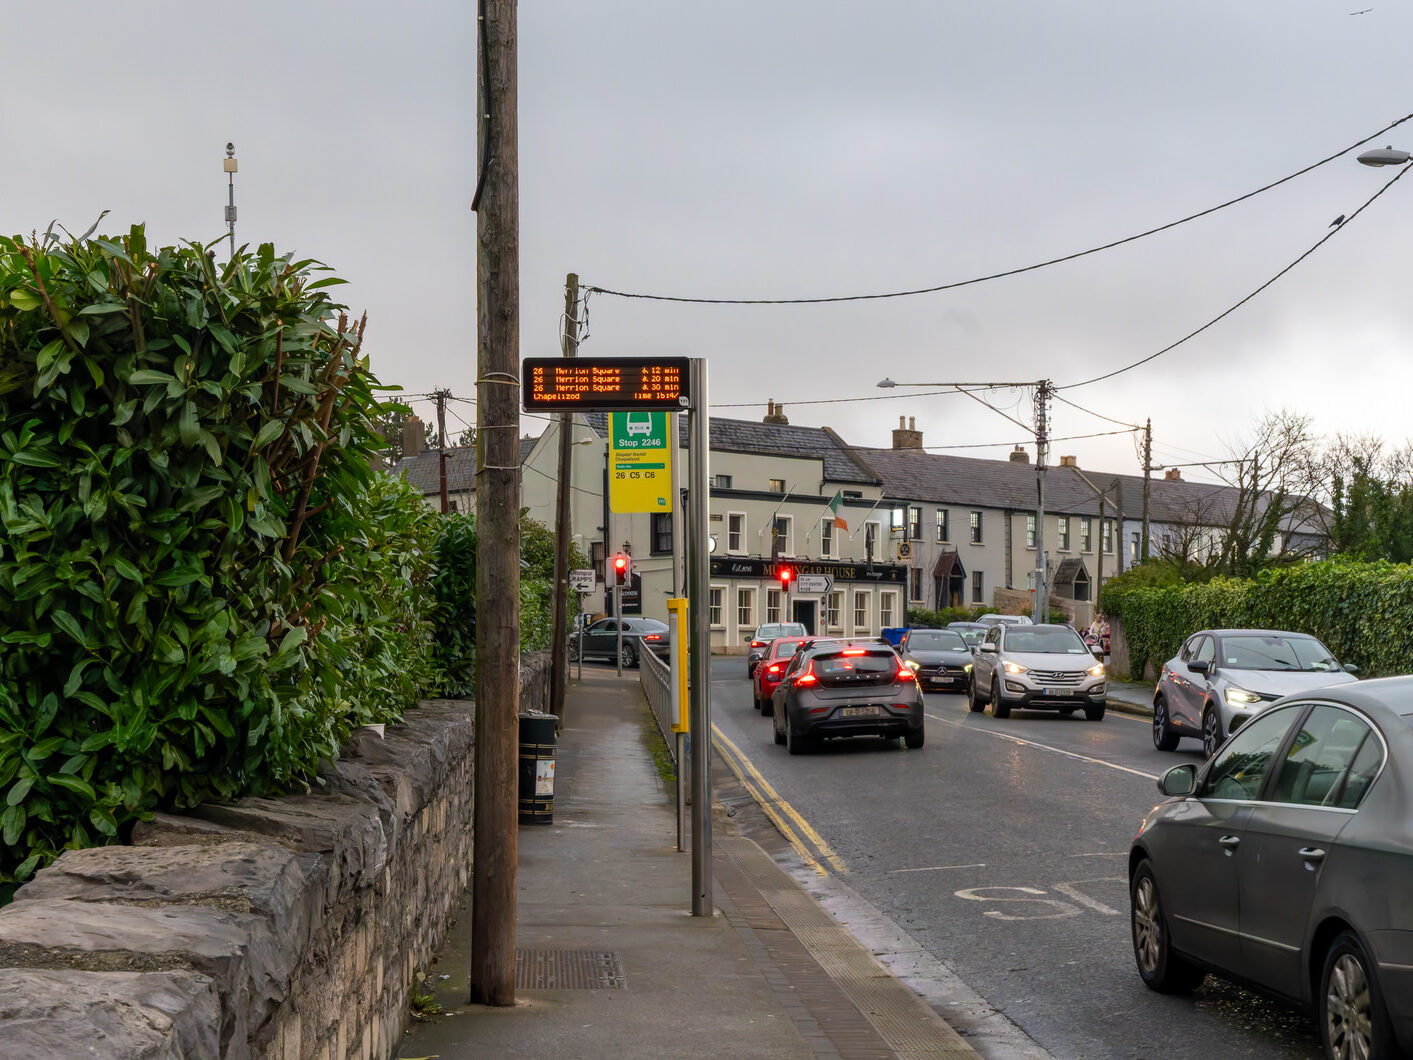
(601, 640)
(771, 669)
(762, 637)
(1224, 677)
(972, 632)
(939, 657)
(1036, 667)
(846, 688)
(1004, 620)
(1286, 862)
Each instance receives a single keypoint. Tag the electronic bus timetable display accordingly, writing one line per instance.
(609, 384)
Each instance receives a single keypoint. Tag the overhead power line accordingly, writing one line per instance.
(1009, 272)
(1335, 230)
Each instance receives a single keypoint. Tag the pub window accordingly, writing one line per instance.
(780, 543)
(826, 537)
(861, 612)
(722, 482)
(870, 539)
(887, 604)
(714, 598)
(735, 531)
(833, 604)
(772, 605)
(915, 584)
(746, 608)
(661, 533)
(777, 485)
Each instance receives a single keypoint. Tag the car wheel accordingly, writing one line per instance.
(1094, 713)
(628, 657)
(1212, 734)
(1160, 968)
(913, 738)
(794, 742)
(573, 649)
(1164, 739)
(975, 702)
(1353, 1019)
(999, 709)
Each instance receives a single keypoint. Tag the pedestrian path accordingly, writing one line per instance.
(612, 964)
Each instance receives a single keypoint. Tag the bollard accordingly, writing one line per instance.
(537, 742)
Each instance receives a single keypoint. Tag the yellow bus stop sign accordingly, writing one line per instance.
(640, 462)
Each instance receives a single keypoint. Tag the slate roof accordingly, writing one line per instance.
(842, 463)
(421, 470)
(940, 478)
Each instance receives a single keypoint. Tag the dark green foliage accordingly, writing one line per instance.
(203, 584)
(1362, 611)
(1373, 516)
(455, 588)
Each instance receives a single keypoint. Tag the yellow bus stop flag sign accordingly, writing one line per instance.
(640, 462)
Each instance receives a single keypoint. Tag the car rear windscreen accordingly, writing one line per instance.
(869, 667)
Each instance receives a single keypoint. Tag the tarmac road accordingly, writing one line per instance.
(1000, 848)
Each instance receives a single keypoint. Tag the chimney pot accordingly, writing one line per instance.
(1068, 461)
(1172, 474)
(1019, 456)
(412, 436)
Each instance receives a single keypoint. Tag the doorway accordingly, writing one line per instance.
(802, 611)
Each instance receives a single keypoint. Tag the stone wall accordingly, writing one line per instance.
(284, 928)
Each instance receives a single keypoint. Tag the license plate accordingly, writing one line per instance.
(861, 712)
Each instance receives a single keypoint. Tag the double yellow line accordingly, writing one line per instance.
(816, 853)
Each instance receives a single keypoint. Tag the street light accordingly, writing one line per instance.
(1384, 156)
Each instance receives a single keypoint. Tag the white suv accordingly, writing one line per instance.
(1036, 667)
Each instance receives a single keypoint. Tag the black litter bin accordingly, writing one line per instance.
(537, 768)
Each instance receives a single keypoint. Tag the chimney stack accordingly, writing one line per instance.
(1172, 474)
(906, 435)
(412, 436)
(1068, 461)
(1019, 456)
(775, 414)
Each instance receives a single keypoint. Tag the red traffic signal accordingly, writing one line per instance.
(786, 575)
(620, 567)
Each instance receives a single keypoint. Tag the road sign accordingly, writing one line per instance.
(813, 583)
(581, 581)
(640, 462)
(603, 384)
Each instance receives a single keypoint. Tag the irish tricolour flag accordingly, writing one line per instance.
(834, 506)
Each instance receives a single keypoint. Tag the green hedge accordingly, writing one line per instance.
(204, 585)
(1362, 611)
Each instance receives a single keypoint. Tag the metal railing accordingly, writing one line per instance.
(654, 675)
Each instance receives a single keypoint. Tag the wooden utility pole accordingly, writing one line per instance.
(441, 396)
(559, 660)
(1147, 471)
(497, 514)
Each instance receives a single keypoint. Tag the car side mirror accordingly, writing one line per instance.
(1097, 652)
(1350, 668)
(1200, 666)
(1180, 780)
(987, 648)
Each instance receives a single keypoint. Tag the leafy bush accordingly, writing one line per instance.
(203, 583)
(1362, 611)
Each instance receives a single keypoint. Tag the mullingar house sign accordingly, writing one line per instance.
(840, 571)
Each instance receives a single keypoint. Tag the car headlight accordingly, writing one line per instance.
(967, 667)
(1013, 668)
(1097, 670)
(912, 663)
(1239, 697)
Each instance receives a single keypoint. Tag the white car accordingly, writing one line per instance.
(1036, 667)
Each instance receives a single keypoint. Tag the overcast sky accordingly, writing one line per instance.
(758, 149)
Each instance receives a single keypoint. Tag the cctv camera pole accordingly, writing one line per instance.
(229, 164)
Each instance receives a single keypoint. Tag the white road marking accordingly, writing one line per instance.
(1044, 747)
(1071, 890)
(939, 868)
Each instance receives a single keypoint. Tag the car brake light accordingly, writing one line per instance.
(774, 668)
(854, 651)
(808, 677)
(653, 636)
(757, 644)
(905, 674)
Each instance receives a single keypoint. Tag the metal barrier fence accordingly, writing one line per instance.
(654, 675)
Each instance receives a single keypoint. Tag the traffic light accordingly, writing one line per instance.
(621, 566)
(787, 576)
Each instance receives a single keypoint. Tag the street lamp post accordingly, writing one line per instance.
(1384, 156)
(229, 164)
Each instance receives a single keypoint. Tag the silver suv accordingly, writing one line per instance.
(1036, 667)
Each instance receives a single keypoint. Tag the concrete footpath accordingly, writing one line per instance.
(610, 963)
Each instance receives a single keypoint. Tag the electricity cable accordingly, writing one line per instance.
(1008, 272)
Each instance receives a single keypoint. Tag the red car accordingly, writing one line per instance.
(771, 669)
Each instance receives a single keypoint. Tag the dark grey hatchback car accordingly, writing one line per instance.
(846, 688)
(1286, 862)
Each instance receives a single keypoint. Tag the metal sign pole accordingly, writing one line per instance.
(699, 659)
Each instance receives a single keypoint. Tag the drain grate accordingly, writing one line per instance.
(568, 970)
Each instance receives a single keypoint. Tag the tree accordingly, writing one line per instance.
(390, 427)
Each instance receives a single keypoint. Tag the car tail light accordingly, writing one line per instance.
(773, 668)
(905, 674)
(808, 677)
(652, 636)
(757, 644)
(854, 651)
